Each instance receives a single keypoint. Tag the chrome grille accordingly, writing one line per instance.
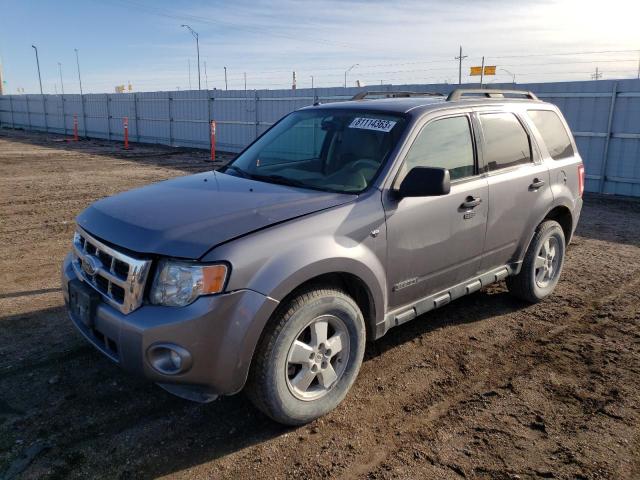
(120, 278)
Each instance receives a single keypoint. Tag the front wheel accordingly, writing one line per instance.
(542, 264)
(308, 357)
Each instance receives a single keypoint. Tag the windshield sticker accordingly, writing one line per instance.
(372, 124)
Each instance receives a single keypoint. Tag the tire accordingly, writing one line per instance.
(292, 349)
(542, 264)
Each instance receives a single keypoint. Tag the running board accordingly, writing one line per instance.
(437, 300)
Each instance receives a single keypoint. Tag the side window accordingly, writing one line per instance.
(506, 143)
(553, 133)
(443, 143)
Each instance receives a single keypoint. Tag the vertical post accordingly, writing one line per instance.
(226, 85)
(28, 112)
(482, 73)
(605, 153)
(75, 127)
(209, 100)
(213, 140)
(256, 112)
(170, 120)
(64, 116)
(135, 116)
(13, 125)
(108, 117)
(125, 124)
(84, 115)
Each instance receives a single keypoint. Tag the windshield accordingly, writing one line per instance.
(333, 150)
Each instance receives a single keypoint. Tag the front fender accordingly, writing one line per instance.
(347, 239)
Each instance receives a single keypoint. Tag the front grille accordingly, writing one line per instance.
(119, 277)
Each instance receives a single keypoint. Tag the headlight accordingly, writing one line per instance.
(179, 283)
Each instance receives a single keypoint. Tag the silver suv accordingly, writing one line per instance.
(340, 222)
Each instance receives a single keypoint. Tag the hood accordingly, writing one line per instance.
(187, 216)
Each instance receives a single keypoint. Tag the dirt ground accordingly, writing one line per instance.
(486, 387)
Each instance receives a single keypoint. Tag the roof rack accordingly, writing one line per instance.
(364, 95)
(489, 93)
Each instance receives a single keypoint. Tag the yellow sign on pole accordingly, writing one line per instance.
(488, 70)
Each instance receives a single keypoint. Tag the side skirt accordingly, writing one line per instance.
(409, 312)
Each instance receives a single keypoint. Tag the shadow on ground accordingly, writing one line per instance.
(62, 392)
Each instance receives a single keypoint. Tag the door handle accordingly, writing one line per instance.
(537, 183)
(471, 202)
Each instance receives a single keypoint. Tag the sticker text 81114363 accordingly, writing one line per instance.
(376, 124)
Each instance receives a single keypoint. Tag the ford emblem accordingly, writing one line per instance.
(91, 265)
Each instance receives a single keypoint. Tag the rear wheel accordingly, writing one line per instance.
(542, 264)
(309, 356)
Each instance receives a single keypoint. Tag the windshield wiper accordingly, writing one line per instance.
(243, 173)
(280, 180)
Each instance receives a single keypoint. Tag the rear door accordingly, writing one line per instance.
(436, 242)
(519, 191)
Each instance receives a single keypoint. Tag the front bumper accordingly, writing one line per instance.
(220, 332)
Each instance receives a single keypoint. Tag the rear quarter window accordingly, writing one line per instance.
(553, 133)
(506, 143)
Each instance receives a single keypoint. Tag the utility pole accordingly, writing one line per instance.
(38, 64)
(293, 85)
(78, 63)
(597, 75)
(460, 58)
(245, 81)
(226, 85)
(197, 37)
(206, 79)
(482, 73)
(60, 72)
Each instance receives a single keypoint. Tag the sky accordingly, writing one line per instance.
(391, 42)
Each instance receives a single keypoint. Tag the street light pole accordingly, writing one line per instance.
(38, 64)
(196, 36)
(347, 71)
(60, 71)
(226, 87)
(513, 75)
(78, 64)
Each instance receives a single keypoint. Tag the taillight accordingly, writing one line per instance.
(581, 179)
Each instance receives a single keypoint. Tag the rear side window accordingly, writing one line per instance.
(506, 142)
(553, 133)
(446, 144)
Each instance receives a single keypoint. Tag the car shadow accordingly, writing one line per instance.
(60, 383)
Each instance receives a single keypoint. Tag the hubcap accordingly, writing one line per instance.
(317, 358)
(547, 262)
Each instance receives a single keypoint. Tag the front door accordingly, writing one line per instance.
(436, 242)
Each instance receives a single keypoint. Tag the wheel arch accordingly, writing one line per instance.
(560, 213)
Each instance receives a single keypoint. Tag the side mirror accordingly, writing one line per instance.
(425, 182)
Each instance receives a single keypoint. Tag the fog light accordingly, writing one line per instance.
(169, 359)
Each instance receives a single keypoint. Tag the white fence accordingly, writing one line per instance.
(603, 115)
